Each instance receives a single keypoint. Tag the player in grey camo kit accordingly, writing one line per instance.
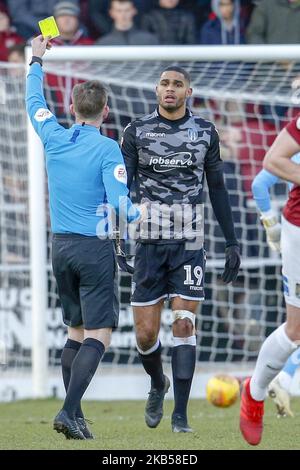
(168, 152)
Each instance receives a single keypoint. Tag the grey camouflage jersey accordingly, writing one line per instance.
(168, 160)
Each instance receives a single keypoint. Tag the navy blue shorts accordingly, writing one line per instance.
(166, 271)
(85, 270)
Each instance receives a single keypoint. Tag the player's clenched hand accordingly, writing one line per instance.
(273, 230)
(39, 45)
(232, 263)
(123, 265)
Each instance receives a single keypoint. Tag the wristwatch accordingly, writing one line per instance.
(36, 59)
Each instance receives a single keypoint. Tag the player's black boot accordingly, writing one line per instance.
(83, 427)
(180, 424)
(69, 427)
(154, 406)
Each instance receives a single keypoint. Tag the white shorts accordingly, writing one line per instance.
(290, 251)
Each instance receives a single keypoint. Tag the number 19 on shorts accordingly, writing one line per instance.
(197, 274)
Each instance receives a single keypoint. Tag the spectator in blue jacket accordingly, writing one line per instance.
(225, 27)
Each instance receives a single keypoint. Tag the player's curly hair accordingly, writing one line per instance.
(89, 99)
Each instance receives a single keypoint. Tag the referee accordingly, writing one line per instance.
(85, 171)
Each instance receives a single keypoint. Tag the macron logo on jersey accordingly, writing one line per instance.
(173, 161)
(156, 135)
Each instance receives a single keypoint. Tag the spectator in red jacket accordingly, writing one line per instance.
(8, 36)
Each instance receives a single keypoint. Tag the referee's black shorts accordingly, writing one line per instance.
(86, 273)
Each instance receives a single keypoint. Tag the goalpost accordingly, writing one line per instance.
(249, 92)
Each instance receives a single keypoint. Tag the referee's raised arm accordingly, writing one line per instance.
(85, 172)
(43, 121)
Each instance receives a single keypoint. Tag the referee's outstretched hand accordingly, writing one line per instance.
(121, 258)
(123, 265)
(232, 264)
(39, 45)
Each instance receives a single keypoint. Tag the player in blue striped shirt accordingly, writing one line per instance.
(279, 388)
(86, 173)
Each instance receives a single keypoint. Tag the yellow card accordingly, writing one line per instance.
(49, 27)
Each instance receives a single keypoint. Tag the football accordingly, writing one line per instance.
(222, 390)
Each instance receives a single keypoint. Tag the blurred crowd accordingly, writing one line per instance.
(150, 22)
(247, 129)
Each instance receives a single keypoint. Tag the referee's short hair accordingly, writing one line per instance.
(89, 99)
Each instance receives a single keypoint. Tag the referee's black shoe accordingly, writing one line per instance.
(154, 406)
(83, 427)
(69, 427)
(180, 424)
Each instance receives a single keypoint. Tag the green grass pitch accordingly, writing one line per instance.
(120, 425)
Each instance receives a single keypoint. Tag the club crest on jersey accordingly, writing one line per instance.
(120, 174)
(193, 135)
(180, 160)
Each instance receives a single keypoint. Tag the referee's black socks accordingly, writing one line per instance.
(83, 369)
(69, 353)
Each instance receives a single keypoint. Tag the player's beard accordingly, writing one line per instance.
(172, 107)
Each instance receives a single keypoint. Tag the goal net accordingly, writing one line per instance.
(249, 101)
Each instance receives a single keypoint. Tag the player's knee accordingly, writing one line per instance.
(292, 326)
(183, 323)
(146, 339)
(107, 342)
(102, 334)
(76, 333)
(183, 328)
